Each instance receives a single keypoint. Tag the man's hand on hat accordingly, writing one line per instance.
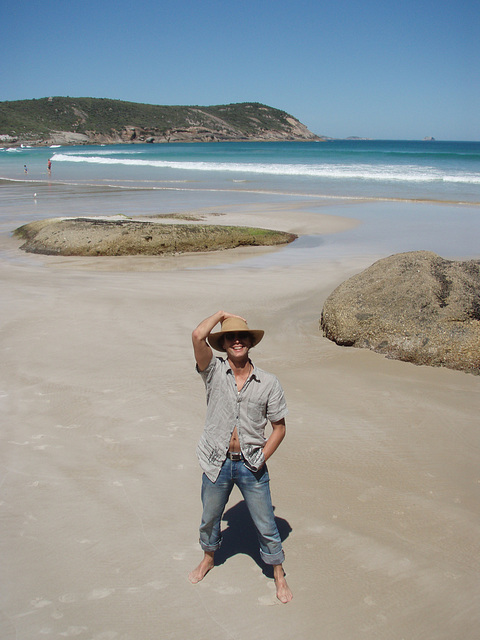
(231, 315)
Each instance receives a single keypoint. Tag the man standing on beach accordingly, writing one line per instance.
(241, 399)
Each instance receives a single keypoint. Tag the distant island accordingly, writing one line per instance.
(64, 120)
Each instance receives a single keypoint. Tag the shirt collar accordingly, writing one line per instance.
(254, 373)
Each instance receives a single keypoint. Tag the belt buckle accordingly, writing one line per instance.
(235, 456)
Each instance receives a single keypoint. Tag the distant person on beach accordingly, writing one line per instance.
(241, 399)
(49, 165)
(25, 170)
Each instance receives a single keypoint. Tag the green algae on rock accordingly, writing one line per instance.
(114, 237)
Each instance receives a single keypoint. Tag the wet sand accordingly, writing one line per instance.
(376, 486)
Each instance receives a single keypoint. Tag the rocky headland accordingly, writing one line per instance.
(62, 120)
(416, 307)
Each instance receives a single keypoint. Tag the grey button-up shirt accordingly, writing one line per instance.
(260, 400)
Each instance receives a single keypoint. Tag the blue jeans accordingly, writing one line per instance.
(255, 488)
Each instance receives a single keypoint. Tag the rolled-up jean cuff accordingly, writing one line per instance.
(273, 558)
(210, 547)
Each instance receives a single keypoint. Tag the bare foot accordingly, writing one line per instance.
(203, 568)
(283, 590)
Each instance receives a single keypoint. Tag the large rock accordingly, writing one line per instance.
(415, 306)
(127, 237)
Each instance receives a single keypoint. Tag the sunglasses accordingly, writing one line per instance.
(237, 335)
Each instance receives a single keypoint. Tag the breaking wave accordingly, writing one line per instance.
(333, 171)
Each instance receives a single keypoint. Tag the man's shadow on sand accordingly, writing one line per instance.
(241, 537)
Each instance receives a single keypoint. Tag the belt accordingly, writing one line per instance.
(234, 455)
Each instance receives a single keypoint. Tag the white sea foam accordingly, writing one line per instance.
(377, 173)
(104, 151)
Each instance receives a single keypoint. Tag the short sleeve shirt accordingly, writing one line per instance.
(260, 400)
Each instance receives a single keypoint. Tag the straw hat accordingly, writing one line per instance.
(230, 325)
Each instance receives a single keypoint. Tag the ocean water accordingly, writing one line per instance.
(448, 171)
(420, 194)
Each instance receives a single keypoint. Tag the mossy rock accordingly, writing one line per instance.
(103, 237)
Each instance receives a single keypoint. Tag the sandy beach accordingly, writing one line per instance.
(376, 486)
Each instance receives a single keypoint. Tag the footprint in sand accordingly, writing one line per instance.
(67, 598)
(39, 603)
(267, 601)
(73, 631)
(98, 594)
(228, 591)
(157, 585)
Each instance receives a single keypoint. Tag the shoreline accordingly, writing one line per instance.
(109, 184)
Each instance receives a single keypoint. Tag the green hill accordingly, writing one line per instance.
(101, 120)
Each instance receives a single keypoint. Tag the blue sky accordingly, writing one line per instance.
(391, 70)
